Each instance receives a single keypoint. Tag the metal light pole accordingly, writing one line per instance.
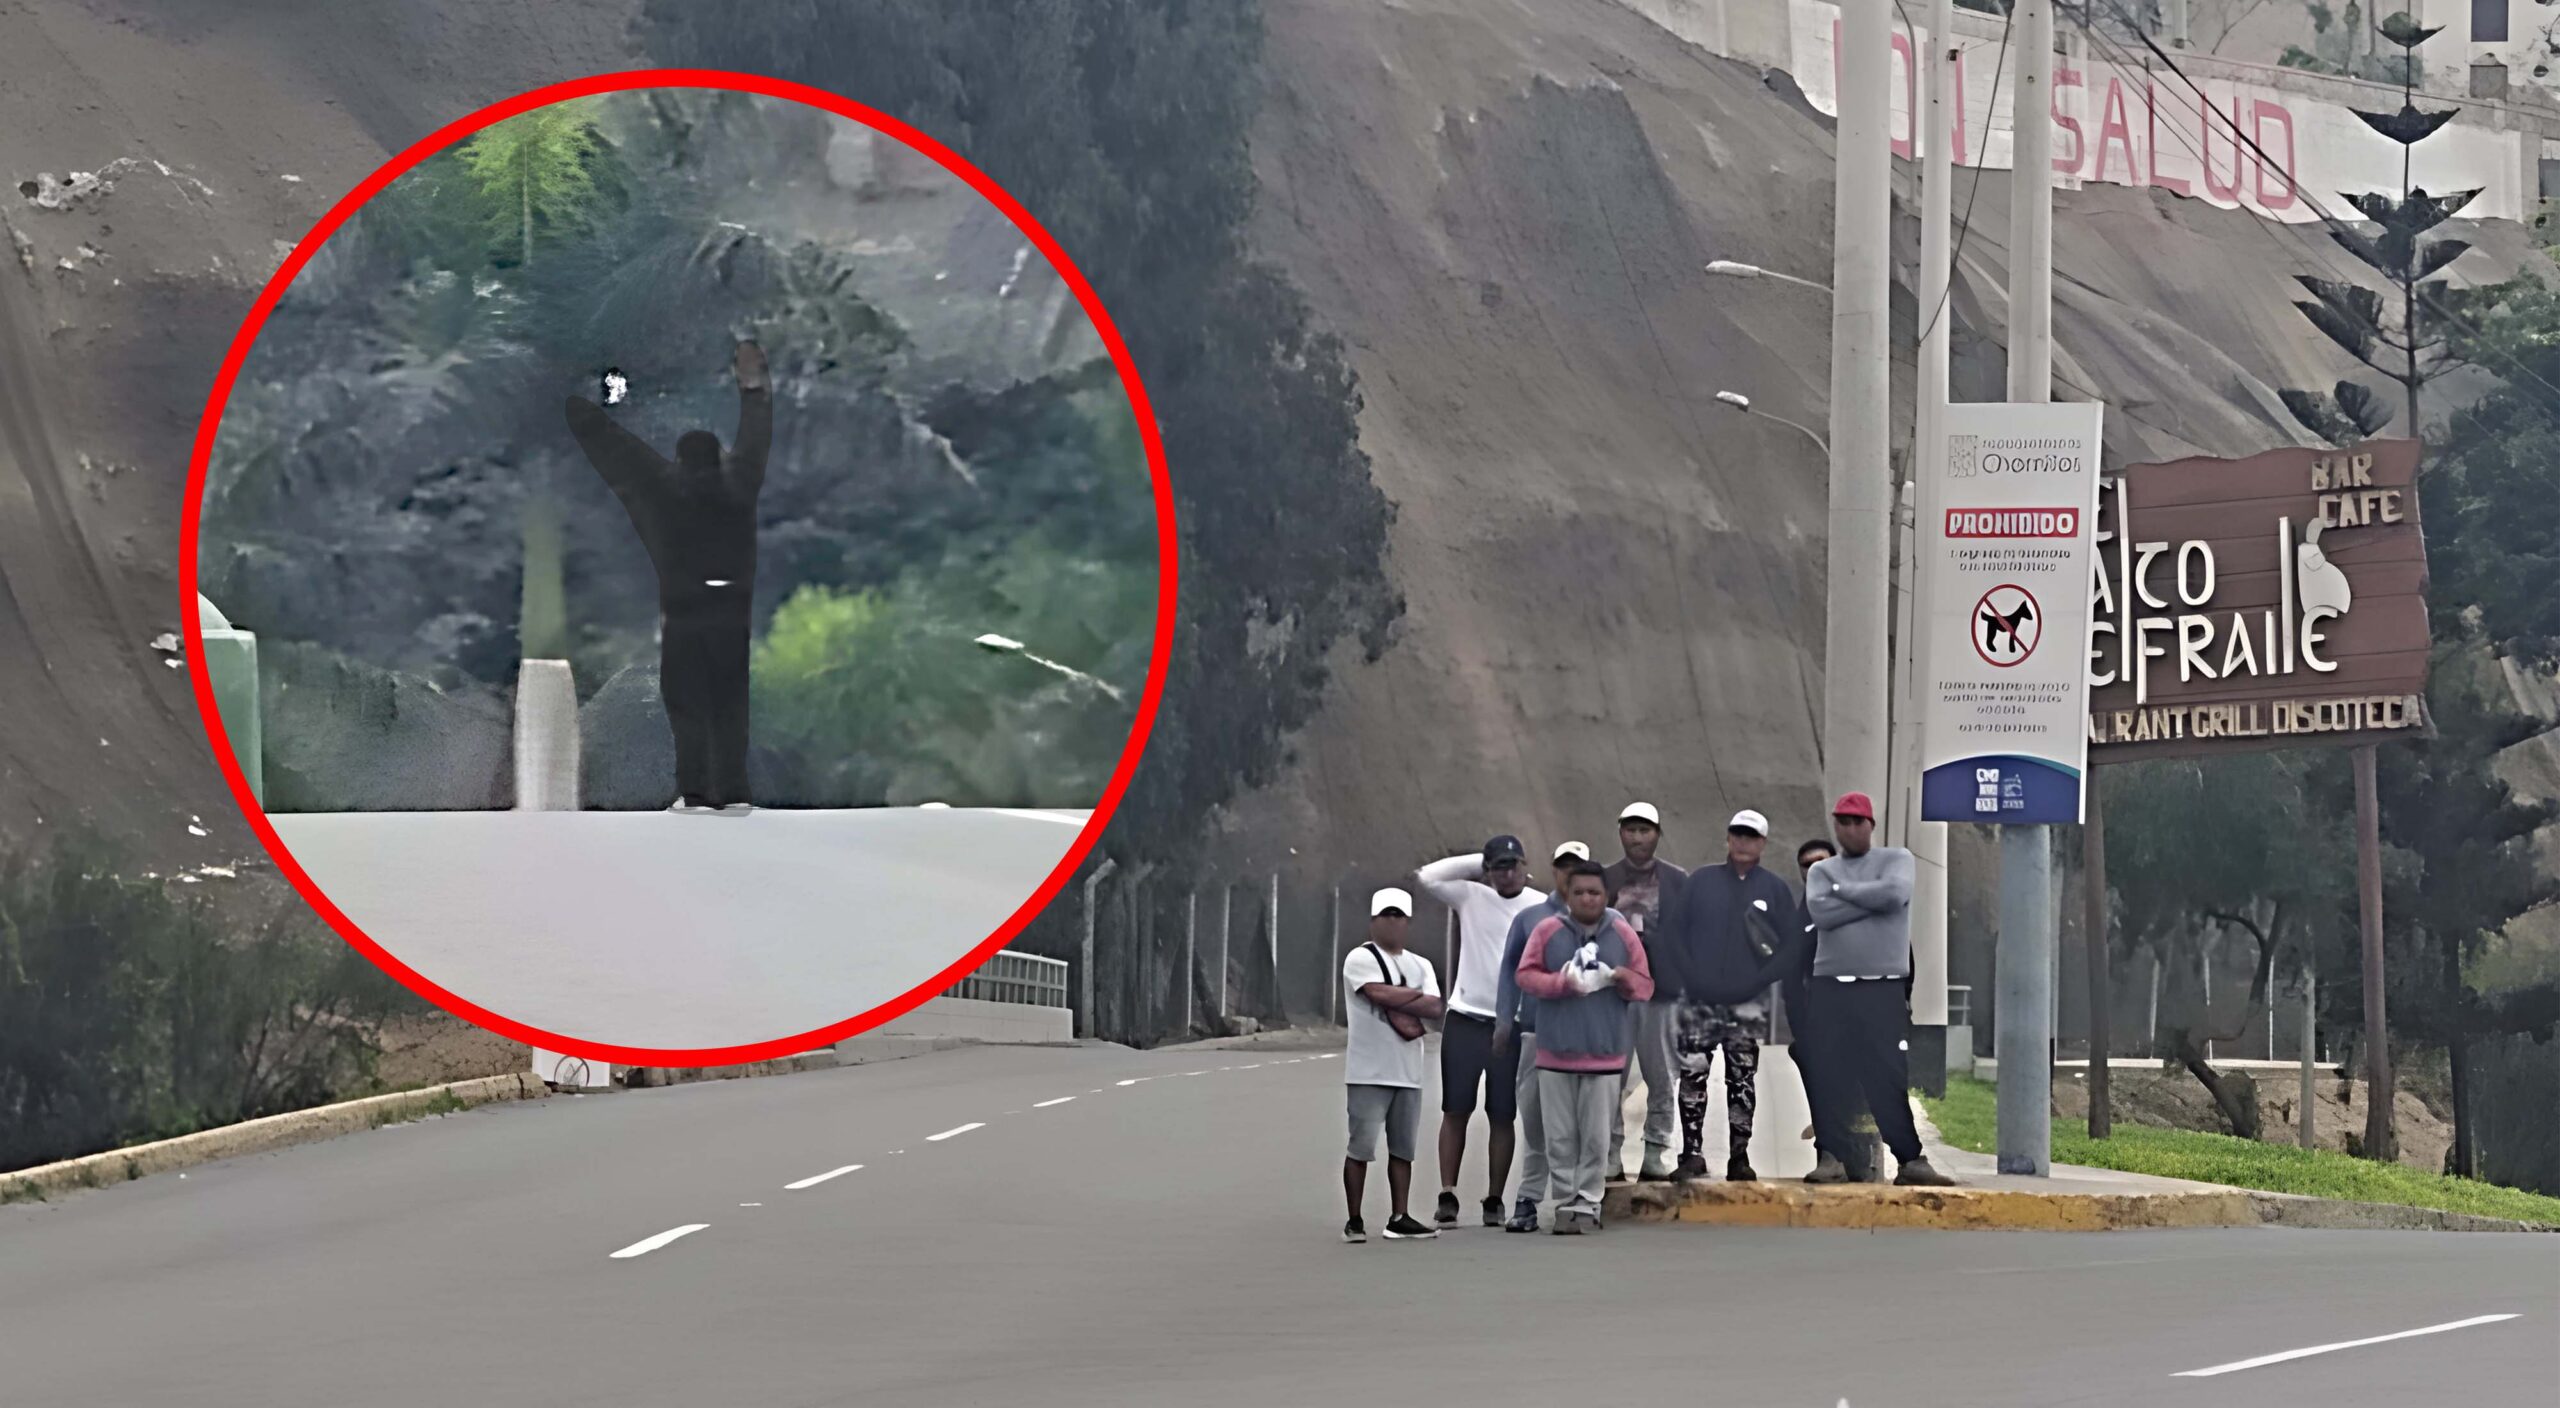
(1006, 645)
(2025, 1040)
(1857, 602)
(1743, 404)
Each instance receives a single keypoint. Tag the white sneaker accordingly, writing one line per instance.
(687, 807)
(736, 809)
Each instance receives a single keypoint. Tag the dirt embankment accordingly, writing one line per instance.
(1615, 582)
(2173, 1100)
(216, 136)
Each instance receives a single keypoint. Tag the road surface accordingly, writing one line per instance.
(680, 933)
(1103, 1227)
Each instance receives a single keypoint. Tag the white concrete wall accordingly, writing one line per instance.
(983, 1021)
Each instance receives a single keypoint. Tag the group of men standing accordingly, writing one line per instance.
(1636, 969)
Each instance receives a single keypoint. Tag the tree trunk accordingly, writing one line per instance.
(542, 623)
(2235, 1095)
(2458, 1159)
(2381, 1137)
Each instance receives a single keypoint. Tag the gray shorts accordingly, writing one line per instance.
(1396, 1109)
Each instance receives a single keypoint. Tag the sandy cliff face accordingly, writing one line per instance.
(221, 133)
(1615, 583)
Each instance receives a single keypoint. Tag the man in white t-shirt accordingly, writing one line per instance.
(1487, 891)
(1388, 997)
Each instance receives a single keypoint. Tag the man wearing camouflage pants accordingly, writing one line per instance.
(1734, 919)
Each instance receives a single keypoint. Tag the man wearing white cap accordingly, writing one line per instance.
(1647, 891)
(1388, 994)
(1728, 948)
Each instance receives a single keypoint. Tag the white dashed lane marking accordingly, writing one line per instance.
(2265, 1359)
(647, 1245)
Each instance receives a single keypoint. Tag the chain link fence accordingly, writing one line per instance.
(1156, 954)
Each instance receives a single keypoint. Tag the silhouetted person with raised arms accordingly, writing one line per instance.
(697, 518)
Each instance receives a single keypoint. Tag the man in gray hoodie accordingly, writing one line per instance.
(1860, 901)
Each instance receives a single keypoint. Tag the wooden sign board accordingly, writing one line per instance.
(2276, 601)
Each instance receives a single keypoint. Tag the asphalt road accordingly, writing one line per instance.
(1171, 1240)
(680, 933)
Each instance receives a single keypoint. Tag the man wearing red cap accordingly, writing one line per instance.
(1860, 900)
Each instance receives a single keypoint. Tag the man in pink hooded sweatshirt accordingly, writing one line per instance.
(1584, 967)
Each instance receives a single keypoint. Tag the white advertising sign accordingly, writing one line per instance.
(2004, 558)
(2128, 125)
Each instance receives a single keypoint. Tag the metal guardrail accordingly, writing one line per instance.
(1025, 978)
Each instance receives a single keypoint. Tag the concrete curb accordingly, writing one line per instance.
(2296, 1210)
(1868, 1206)
(262, 1135)
(855, 1051)
(1871, 1206)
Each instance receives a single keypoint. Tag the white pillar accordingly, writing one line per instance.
(1855, 662)
(546, 737)
(1927, 840)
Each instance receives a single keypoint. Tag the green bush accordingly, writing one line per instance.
(127, 1014)
(883, 698)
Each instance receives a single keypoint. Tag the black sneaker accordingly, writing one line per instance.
(1692, 1168)
(1828, 1170)
(1524, 1218)
(1920, 1173)
(1403, 1227)
(1738, 1170)
(1493, 1212)
(1446, 1214)
(1353, 1231)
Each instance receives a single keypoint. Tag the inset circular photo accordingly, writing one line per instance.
(681, 568)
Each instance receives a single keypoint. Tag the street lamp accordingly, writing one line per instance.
(1732, 269)
(1006, 645)
(1742, 403)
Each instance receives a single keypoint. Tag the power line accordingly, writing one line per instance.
(2334, 224)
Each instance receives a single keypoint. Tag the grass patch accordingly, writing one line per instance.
(442, 1102)
(1967, 1119)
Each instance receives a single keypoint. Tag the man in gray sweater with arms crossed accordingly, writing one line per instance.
(1860, 900)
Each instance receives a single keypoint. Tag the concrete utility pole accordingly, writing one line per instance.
(1084, 958)
(1927, 840)
(1856, 666)
(2025, 1041)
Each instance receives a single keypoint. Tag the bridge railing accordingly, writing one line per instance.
(1013, 976)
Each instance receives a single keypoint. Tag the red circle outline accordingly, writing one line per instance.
(1167, 543)
(1976, 636)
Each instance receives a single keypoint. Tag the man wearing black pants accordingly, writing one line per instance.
(1860, 901)
(697, 518)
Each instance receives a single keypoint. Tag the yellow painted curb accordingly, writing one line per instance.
(261, 1135)
(1790, 1204)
